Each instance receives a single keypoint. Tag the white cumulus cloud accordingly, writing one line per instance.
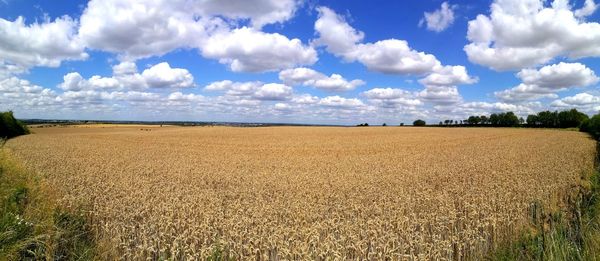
(309, 77)
(524, 33)
(246, 49)
(441, 95)
(259, 12)
(337, 101)
(273, 92)
(391, 56)
(582, 101)
(163, 76)
(448, 76)
(137, 29)
(391, 97)
(126, 77)
(548, 80)
(252, 90)
(439, 20)
(17, 85)
(40, 44)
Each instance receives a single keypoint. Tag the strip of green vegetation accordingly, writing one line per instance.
(31, 226)
(592, 126)
(220, 253)
(572, 234)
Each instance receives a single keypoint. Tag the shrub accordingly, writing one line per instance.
(419, 122)
(32, 227)
(591, 126)
(11, 127)
(585, 126)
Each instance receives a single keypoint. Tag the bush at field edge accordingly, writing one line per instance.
(11, 127)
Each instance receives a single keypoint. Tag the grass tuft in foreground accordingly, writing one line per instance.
(573, 234)
(32, 227)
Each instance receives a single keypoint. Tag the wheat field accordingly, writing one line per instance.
(305, 193)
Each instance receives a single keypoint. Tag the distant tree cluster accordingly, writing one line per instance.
(564, 119)
(504, 119)
(545, 119)
(11, 127)
(474, 120)
(419, 122)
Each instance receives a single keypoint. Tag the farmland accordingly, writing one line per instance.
(306, 192)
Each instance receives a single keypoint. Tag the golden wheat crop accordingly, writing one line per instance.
(306, 192)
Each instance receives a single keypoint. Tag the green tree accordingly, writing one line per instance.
(504, 119)
(473, 120)
(11, 127)
(532, 120)
(484, 119)
(494, 119)
(548, 119)
(419, 122)
(591, 126)
(508, 119)
(571, 118)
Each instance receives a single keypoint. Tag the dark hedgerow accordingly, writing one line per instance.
(591, 126)
(11, 127)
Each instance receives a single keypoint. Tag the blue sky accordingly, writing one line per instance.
(337, 62)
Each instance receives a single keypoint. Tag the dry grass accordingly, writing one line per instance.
(307, 192)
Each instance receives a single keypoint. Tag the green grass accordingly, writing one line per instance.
(571, 234)
(220, 253)
(32, 227)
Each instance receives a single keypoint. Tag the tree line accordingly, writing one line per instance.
(504, 119)
(544, 119)
(564, 119)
